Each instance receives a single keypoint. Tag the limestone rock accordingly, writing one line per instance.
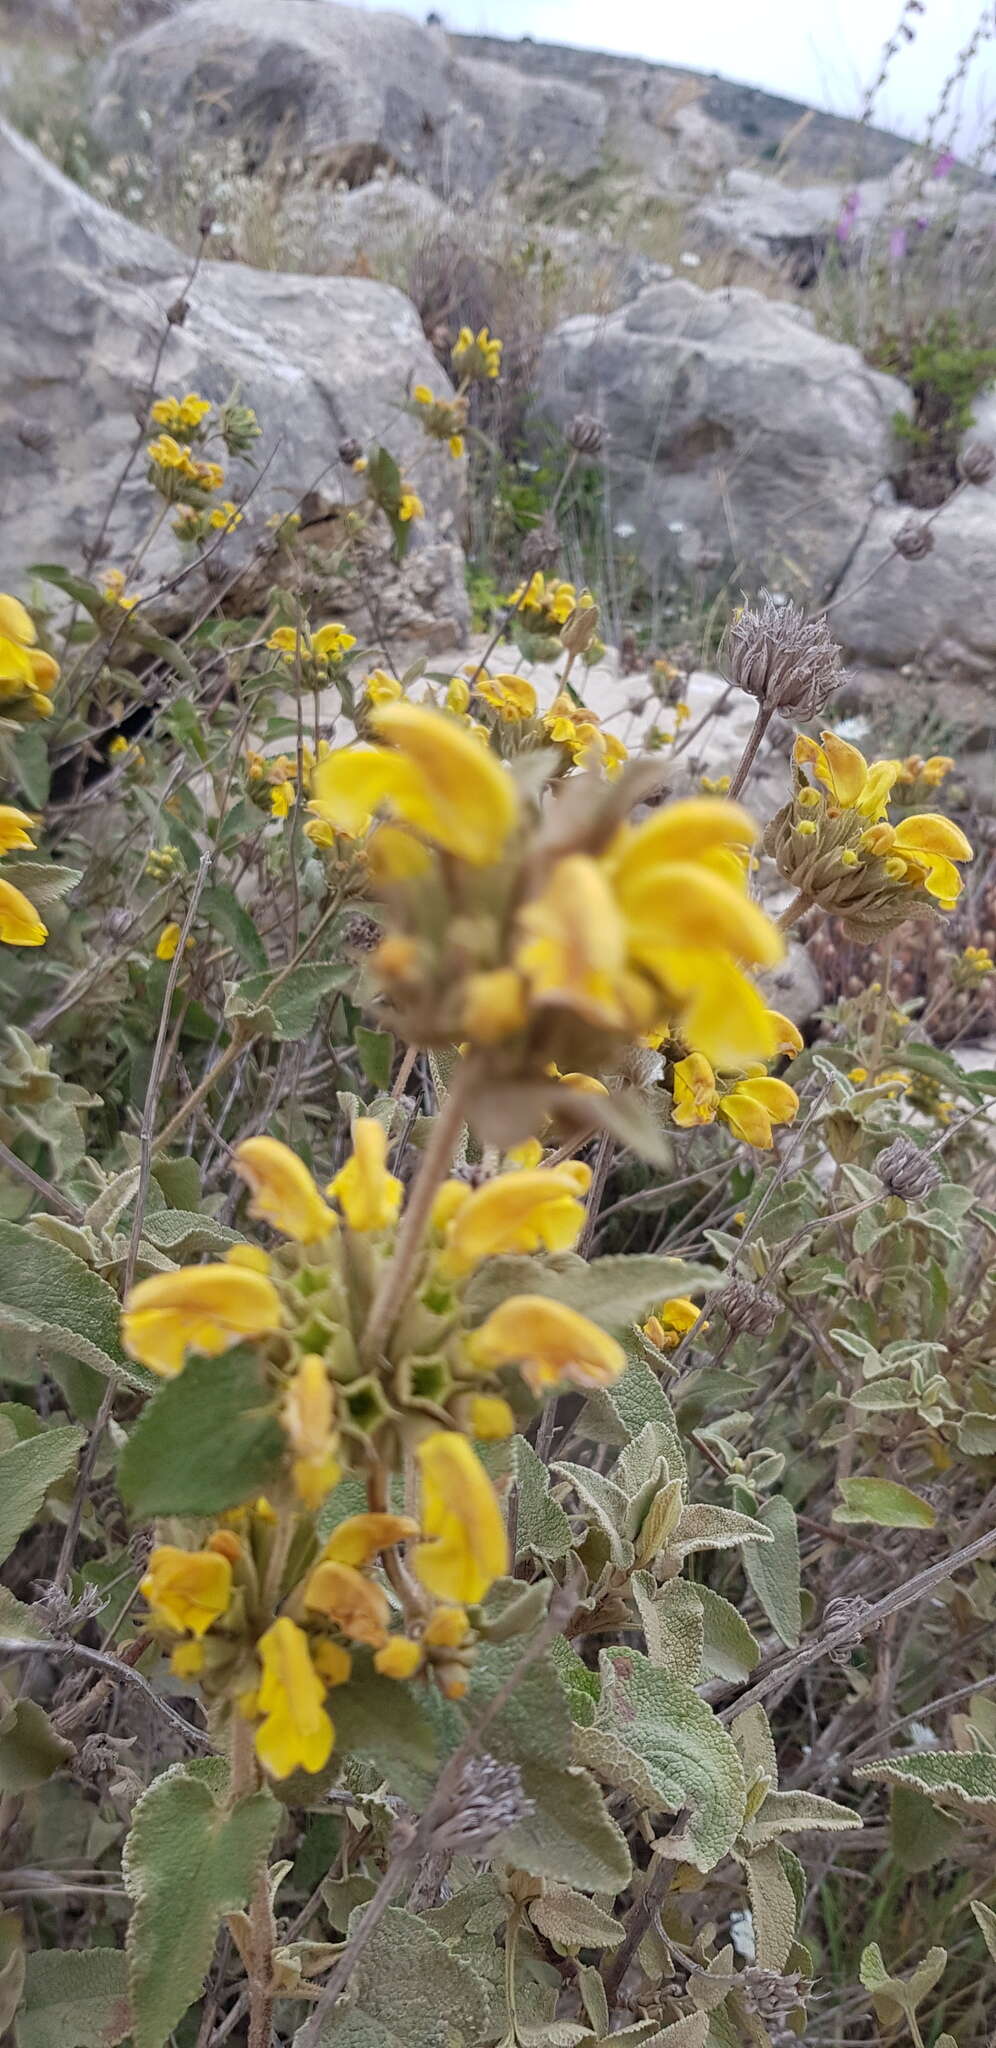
(939, 612)
(320, 359)
(342, 86)
(740, 438)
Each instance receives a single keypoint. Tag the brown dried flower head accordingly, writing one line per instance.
(788, 662)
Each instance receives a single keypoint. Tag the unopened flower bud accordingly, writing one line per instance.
(906, 1171)
(585, 435)
(579, 630)
(487, 1800)
(977, 462)
(787, 662)
(541, 548)
(750, 1310)
(913, 540)
(772, 1997)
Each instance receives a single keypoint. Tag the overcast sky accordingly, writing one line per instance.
(825, 52)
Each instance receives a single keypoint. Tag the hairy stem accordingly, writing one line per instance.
(749, 755)
(436, 1163)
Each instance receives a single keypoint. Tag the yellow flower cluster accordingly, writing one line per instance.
(443, 419)
(20, 924)
(751, 1105)
(115, 591)
(546, 605)
(672, 1321)
(477, 357)
(321, 649)
(570, 724)
(181, 417)
(919, 853)
(653, 925)
(27, 674)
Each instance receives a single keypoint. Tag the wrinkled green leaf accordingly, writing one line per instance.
(30, 1749)
(75, 1998)
(655, 1736)
(208, 1440)
(773, 1569)
(27, 1470)
(291, 1010)
(409, 1990)
(883, 1502)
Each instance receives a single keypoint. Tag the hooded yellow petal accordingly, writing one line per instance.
(779, 1101)
(296, 1733)
(187, 1589)
(465, 1547)
(788, 1037)
(686, 903)
(358, 1539)
(696, 1097)
(720, 1010)
(681, 831)
(283, 1191)
(549, 1342)
(573, 950)
(351, 785)
(522, 1211)
(748, 1120)
(367, 1194)
(842, 769)
(931, 832)
(16, 828)
(356, 1605)
(471, 800)
(15, 622)
(198, 1308)
(20, 924)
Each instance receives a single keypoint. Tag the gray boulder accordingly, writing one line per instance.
(320, 359)
(939, 612)
(343, 87)
(791, 227)
(741, 440)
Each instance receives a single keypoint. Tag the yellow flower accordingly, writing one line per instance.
(696, 1097)
(511, 696)
(281, 800)
(494, 1005)
(331, 642)
(857, 1075)
(333, 1664)
(788, 1037)
(16, 828)
(457, 695)
(296, 1733)
(516, 1212)
(399, 1658)
(490, 1418)
(926, 848)
(550, 1343)
(283, 1191)
(114, 590)
(583, 1084)
(852, 784)
(358, 1539)
(185, 412)
(187, 1660)
(464, 1547)
(455, 445)
(422, 395)
(307, 1416)
(225, 514)
(356, 1605)
(187, 1589)
(572, 949)
(367, 1194)
(24, 669)
(20, 924)
(477, 356)
(672, 1321)
(431, 774)
(319, 833)
(754, 1104)
(410, 506)
(381, 688)
(198, 1308)
(446, 1629)
(529, 1153)
(168, 941)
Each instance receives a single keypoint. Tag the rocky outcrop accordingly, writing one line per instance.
(320, 359)
(741, 440)
(790, 228)
(938, 612)
(343, 87)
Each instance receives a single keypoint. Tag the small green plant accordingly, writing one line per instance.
(947, 366)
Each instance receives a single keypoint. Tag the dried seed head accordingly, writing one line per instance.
(977, 462)
(350, 451)
(362, 934)
(586, 435)
(787, 662)
(773, 1997)
(486, 1801)
(750, 1310)
(580, 629)
(913, 540)
(906, 1171)
(541, 548)
(839, 1614)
